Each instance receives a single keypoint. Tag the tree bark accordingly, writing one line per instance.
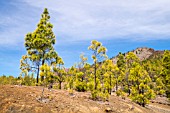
(38, 73)
(110, 84)
(128, 89)
(95, 84)
(42, 77)
(60, 84)
(116, 85)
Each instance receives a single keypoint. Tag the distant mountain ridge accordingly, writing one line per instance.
(142, 53)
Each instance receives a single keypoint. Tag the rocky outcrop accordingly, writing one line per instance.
(142, 53)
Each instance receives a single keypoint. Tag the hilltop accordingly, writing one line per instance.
(143, 53)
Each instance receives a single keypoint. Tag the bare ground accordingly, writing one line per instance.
(24, 99)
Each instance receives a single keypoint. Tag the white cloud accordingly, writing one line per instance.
(82, 19)
(76, 20)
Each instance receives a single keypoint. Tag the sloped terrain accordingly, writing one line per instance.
(24, 99)
(142, 53)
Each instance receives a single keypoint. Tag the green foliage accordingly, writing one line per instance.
(121, 63)
(59, 71)
(100, 95)
(71, 77)
(94, 94)
(104, 95)
(99, 52)
(153, 66)
(141, 92)
(81, 86)
(46, 72)
(166, 72)
(28, 80)
(142, 96)
(71, 91)
(120, 93)
(160, 87)
(4, 80)
(122, 72)
(110, 78)
(39, 46)
(130, 59)
(90, 85)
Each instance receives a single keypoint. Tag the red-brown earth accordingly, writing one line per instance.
(26, 99)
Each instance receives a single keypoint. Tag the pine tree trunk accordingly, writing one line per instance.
(128, 89)
(110, 84)
(95, 69)
(60, 84)
(42, 77)
(116, 85)
(38, 74)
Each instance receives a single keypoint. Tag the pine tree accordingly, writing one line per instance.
(153, 66)
(131, 58)
(71, 77)
(141, 92)
(160, 86)
(47, 73)
(121, 61)
(82, 64)
(24, 66)
(121, 64)
(99, 52)
(40, 42)
(59, 71)
(166, 72)
(81, 78)
(110, 77)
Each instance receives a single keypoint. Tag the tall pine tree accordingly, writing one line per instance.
(99, 52)
(40, 42)
(166, 72)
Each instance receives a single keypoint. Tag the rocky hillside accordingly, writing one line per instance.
(143, 53)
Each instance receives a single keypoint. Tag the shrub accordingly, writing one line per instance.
(81, 86)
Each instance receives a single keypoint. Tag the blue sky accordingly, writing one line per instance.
(121, 25)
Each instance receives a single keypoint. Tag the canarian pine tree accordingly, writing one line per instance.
(99, 52)
(110, 77)
(25, 78)
(121, 64)
(153, 67)
(131, 58)
(59, 71)
(40, 42)
(81, 78)
(24, 66)
(160, 86)
(47, 73)
(71, 77)
(166, 72)
(80, 84)
(82, 64)
(140, 81)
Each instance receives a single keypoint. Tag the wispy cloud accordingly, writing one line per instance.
(78, 20)
(16, 22)
(84, 20)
